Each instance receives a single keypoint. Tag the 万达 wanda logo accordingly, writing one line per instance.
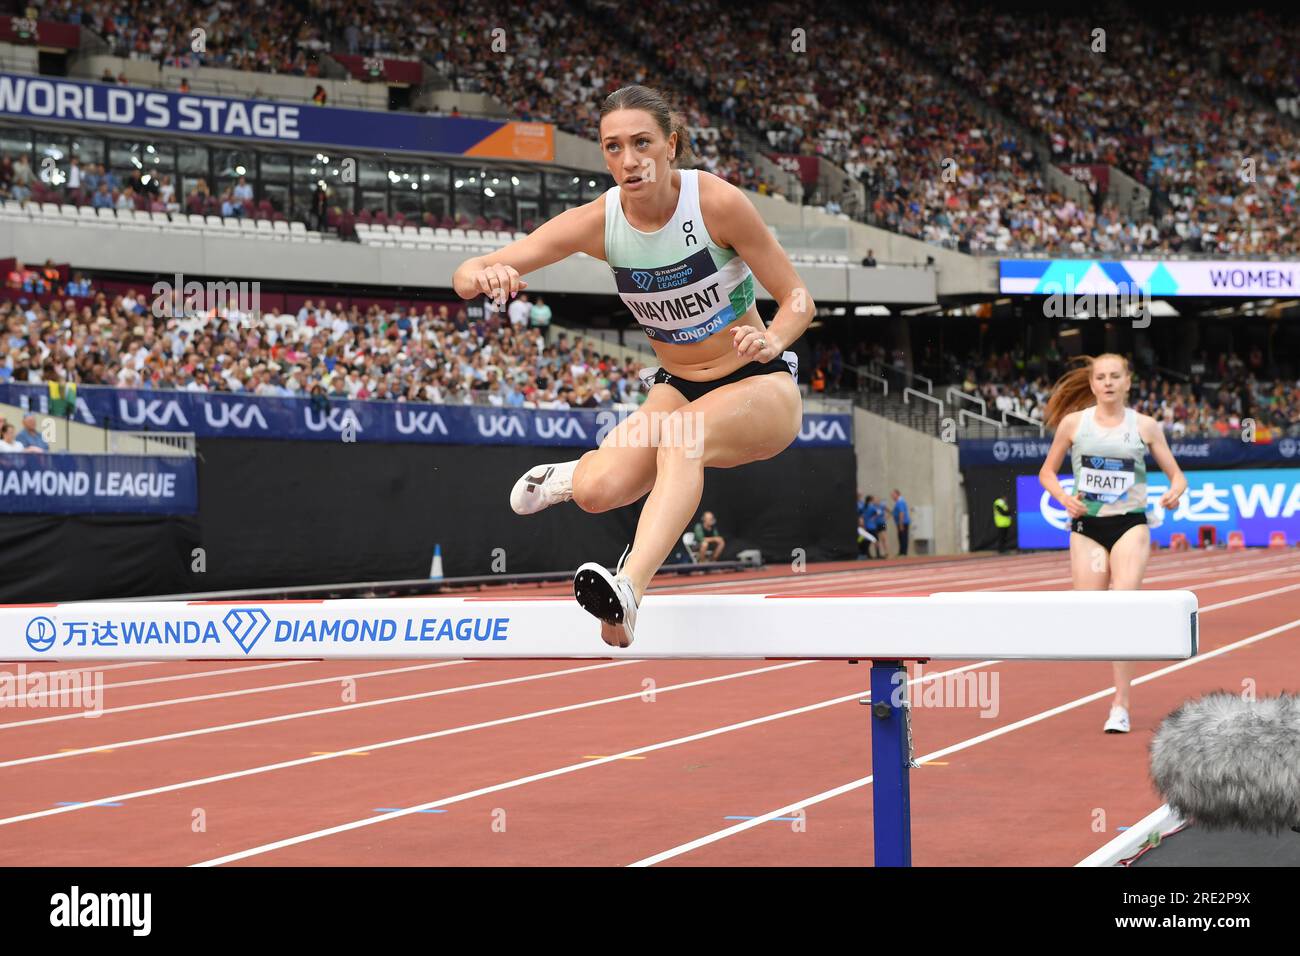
(246, 625)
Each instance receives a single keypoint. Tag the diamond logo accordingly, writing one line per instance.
(246, 625)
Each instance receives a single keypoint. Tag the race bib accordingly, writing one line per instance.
(1105, 479)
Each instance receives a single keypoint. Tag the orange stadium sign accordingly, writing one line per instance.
(531, 141)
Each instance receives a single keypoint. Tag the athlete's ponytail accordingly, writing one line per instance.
(1073, 390)
(654, 103)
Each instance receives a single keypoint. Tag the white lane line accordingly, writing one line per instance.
(370, 821)
(190, 676)
(299, 715)
(963, 745)
(544, 775)
(864, 570)
(83, 670)
(220, 695)
(1058, 573)
(417, 738)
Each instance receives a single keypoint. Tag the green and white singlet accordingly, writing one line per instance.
(1110, 465)
(681, 286)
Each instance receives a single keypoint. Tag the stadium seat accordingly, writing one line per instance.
(68, 211)
(393, 229)
(1277, 539)
(84, 212)
(50, 210)
(136, 221)
(264, 229)
(107, 217)
(160, 218)
(427, 234)
(1236, 541)
(409, 232)
(14, 210)
(280, 227)
(1178, 541)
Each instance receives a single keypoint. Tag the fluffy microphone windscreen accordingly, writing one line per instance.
(1224, 762)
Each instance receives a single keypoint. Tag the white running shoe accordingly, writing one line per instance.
(609, 597)
(543, 486)
(1118, 721)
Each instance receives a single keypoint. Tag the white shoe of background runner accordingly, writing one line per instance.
(1118, 721)
(543, 486)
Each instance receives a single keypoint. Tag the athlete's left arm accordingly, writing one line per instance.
(1154, 436)
(733, 222)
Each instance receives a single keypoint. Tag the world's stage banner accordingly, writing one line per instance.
(227, 415)
(1191, 453)
(43, 98)
(49, 483)
(1256, 502)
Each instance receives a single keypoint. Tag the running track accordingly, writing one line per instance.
(623, 762)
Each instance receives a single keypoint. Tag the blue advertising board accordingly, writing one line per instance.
(1189, 452)
(227, 415)
(1255, 502)
(48, 483)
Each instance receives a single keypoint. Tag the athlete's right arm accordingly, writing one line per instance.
(580, 229)
(1052, 464)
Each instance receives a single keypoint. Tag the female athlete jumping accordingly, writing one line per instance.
(1108, 442)
(681, 244)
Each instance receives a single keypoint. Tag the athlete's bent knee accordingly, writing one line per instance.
(595, 490)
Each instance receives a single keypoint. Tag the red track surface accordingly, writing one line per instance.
(1047, 792)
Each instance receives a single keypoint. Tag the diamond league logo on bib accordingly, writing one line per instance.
(644, 280)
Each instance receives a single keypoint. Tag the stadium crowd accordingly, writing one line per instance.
(870, 96)
(1225, 171)
(431, 354)
(1216, 399)
(852, 95)
(233, 34)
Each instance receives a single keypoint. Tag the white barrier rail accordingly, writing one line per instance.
(1040, 625)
